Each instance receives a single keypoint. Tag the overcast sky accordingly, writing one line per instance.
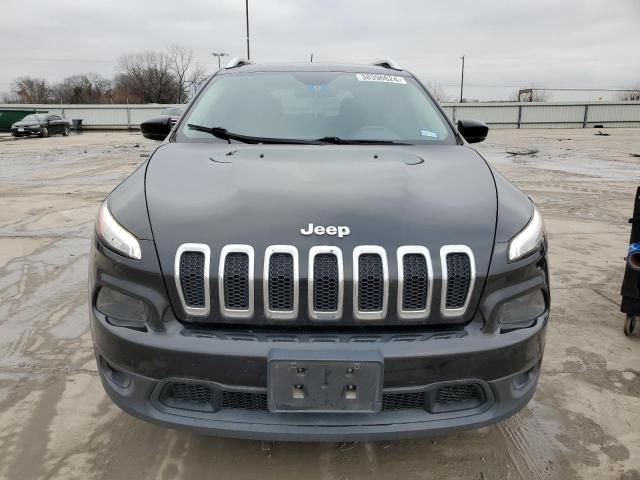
(507, 44)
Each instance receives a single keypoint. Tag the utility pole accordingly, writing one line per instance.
(462, 80)
(246, 10)
(219, 55)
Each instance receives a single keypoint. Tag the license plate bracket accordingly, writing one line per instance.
(325, 381)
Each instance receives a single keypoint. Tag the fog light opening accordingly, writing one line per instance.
(522, 311)
(523, 380)
(117, 377)
(122, 310)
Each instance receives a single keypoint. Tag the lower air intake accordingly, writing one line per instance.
(458, 397)
(188, 396)
(244, 401)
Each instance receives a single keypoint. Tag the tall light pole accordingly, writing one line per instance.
(462, 79)
(219, 55)
(246, 11)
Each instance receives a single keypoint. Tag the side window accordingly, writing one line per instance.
(55, 117)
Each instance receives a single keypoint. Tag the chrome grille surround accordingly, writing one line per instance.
(444, 251)
(206, 251)
(323, 315)
(281, 314)
(230, 312)
(414, 314)
(374, 250)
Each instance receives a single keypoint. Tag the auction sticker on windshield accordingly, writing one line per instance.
(380, 77)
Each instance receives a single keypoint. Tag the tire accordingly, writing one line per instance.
(45, 132)
(629, 325)
(65, 132)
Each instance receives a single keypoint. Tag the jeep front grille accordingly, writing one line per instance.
(192, 278)
(280, 288)
(235, 281)
(370, 283)
(326, 283)
(415, 282)
(458, 275)
(281, 282)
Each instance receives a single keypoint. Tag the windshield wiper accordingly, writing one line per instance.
(224, 134)
(346, 141)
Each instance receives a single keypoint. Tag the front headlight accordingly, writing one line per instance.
(34, 126)
(115, 236)
(529, 239)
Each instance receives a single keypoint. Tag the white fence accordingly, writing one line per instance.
(495, 114)
(548, 114)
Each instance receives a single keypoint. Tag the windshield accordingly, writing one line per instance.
(33, 118)
(316, 105)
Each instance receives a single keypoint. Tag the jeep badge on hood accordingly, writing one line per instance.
(341, 230)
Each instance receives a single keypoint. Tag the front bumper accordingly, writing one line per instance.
(136, 366)
(15, 131)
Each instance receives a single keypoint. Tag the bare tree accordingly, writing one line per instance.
(437, 91)
(85, 88)
(196, 79)
(530, 94)
(148, 77)
(179, 63)
(30, 90)
(631, 94)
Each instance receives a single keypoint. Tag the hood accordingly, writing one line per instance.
(264, 195)
(27, 124)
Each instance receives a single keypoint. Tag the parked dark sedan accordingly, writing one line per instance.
(41, 124)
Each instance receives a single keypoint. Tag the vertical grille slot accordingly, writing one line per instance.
(280, 282)
(371, 282)
(236, 281)
(415, 281)
(326, 281)
(458, 273)
(370, 288)
(192, 278)
(458, 279)
(191, 271)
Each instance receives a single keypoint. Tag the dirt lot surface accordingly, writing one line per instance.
(56, 421)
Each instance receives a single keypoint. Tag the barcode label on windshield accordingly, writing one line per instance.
(379, 77)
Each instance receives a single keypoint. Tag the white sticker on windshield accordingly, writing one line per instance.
(380, 77)
(428, 133)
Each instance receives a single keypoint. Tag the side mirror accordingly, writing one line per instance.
(156, 128)
(473, 131)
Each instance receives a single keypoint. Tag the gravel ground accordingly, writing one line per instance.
(56, 422)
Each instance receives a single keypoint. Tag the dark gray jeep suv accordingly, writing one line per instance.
(314, 252)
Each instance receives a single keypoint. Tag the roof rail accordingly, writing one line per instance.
(386, 63)
(237, 62)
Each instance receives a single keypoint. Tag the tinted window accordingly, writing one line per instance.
(312, 105)
(34, 118)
